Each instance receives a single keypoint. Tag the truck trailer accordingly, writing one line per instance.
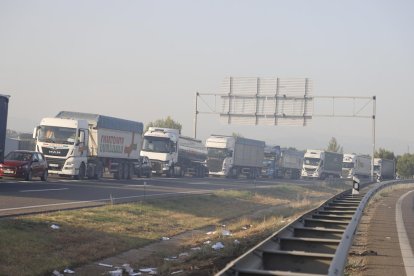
(172, 154)
(4, 105)
(384, 169)
(233, 156)
(356, 165)
(320, 164)
(282, 163)
(87, 145)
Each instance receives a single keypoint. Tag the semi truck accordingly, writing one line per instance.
(384, 169)
(356, 165)
(4, 105)
(88, 145)
(172, 154)
(233, 156)
(320, 164)
(282, 163)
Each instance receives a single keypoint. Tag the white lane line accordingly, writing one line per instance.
(406, 250)
(43, 190)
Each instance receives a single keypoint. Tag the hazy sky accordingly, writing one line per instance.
(144, 60)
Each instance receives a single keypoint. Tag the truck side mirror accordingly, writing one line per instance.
(35, 132)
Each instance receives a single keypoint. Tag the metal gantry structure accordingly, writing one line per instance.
(278, 102)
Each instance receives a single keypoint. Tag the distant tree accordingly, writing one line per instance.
(12, 133)
(167, 123)
(236, 134)
(405, 165)
(384, 154)
(333, 146)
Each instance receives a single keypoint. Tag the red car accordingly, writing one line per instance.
(24, 164)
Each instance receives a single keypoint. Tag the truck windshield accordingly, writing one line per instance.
(347, 165)
(268, 163)
(156, 144)
(377, 168)
(218, 153)
(58, 135)
(312, 161)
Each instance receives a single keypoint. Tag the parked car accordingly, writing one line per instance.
(24, 164)
(144, 167)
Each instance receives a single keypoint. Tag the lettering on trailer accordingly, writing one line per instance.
(113, 144)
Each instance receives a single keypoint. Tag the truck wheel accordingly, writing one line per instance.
(127, 171)
(170, 172)
(98, 171)
(82, 172)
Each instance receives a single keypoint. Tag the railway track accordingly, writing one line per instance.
(305, 247)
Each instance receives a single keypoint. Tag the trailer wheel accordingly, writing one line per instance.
(98, 171)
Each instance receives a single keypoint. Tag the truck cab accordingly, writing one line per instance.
(64, 143)
(160, 145)
(312, 164)
(220, 151)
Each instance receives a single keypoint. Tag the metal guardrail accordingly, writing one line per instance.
(317, 243)
(339, 261)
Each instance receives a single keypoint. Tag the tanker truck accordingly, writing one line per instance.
(233, 156)
(88, 145)
(172, 154)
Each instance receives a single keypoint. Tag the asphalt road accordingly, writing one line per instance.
(23, 197)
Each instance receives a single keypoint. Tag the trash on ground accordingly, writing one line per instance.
(236, 242)
(55, 226)
(68, 271)
(128, 269)
(177, 272)
(223, 225)
(217, 246)
(211, 232)
(169, 259)
(56, 273)
(207, 242)
(165, 238)
(117, 272)
(225, 233)
(196, 248)
(247, 226)
(105, 265)
(135, 274)
(184, 254)
(149, 270)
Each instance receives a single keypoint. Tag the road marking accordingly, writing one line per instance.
(406, 250)
(43, 190)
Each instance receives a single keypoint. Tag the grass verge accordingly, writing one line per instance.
(29, 246)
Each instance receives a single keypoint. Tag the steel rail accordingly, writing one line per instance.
(316, 243)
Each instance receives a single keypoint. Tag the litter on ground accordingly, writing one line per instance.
(207, 242)
(165, 238)
(211, 232)
(184, 254)
(55, 226)
(56, 273)
(68, 271)
(117, 272)
(105, 265)
(217, 246)
(177, 272)
(225, 233)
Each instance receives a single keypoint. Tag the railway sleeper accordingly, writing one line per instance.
(325, 223)
(258, 272)
(339, 204)
(332, 217)
(339, 208)
(350, 201)
(325, 246)
(336, 212)
(295, 261)
(311, 232)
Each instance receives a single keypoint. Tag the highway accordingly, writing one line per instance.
(23, 197)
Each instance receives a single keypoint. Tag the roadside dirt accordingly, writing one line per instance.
(376, 250)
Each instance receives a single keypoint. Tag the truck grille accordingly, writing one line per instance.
(55, 163)
(55, 152)
(214, 165)
(156, 166)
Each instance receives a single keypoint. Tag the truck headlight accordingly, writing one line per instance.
(166, 166)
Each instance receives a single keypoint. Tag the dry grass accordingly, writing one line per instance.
(28, 246)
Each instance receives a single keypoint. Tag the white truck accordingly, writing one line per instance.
(87, 145)
(232, 156)
(356, 165)
(172, 154)
(384, 169)
(320, 164)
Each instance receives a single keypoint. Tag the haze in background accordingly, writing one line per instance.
(144, 60)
